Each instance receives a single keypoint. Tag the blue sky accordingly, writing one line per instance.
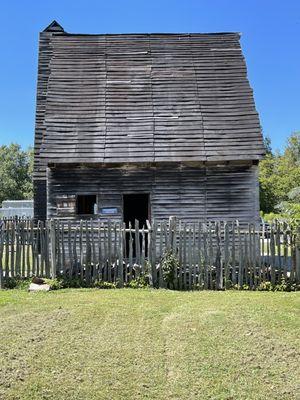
(270, 40)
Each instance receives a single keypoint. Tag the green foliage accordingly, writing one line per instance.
(170, 267)
(54, 284)
(138, 283)
(105, 285)
(16, 283)
(283, 286)
(23, 283)
(279, 178)
(72, 282)
(16, 167)
(267, 286)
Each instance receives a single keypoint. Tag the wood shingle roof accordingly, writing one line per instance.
(147, 98)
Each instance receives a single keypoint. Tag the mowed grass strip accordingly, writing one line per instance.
(149, 344)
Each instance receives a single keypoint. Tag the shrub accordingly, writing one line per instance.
(54, 284)
(138, 283)
(16, 283)
(283, 286)
(170, 267)
(72, 283)
(105, 285)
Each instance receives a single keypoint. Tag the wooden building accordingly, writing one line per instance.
(145, 126)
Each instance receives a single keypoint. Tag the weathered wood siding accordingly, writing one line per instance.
(146, 98)
(149, 98)
(39, 173)
(189, 193)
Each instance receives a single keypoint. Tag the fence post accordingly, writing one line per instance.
(1, 257)
(53, 249)
(219, 270)
(150, 254)
(121, 253)
(297, 251)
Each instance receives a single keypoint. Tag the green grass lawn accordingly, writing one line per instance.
(149, 344)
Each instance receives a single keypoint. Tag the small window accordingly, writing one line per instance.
(86, 203)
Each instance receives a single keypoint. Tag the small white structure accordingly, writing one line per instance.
(17, 208)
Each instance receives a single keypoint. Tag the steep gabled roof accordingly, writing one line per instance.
(149, 98)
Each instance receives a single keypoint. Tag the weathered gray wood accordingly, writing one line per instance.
(190, 259)
(1, 258)
(142, 258)
(184, 275)
(218, 262)
(145, 98)
(297, 255)
(46, 249)
(120, 258)
(63, 250)
(7, 238)
(241, 258)
(194, 258)
(53, 249)
(285, 251)
(115, 244)
(137, 243)
(107, 267)
(12, 250)
(263, 250)
(109, 246)
(28, 258)
(180, 257)
(205, 256)
(81, 252)
(203, 251)
(161, 253)
(23, 250)
(75, 254)
(210, 254)
(226, 255)
(233, 255)
(130, 244)
(70, 252)
(257, 256)
(272, 250)
(93, 248)
(17, 245)
(100, 254)
(88, 256)
(151, 262)
(251, 261)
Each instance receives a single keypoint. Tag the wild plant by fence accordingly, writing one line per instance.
(179, 255)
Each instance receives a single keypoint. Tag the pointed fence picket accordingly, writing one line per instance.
(213, 255)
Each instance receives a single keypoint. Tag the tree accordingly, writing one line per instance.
(279, 177)
(16, 167)
(267, 192)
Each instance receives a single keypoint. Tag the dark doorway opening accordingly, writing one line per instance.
(136, 206)
(85, 204)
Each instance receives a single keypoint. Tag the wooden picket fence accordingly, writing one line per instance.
(215, 255)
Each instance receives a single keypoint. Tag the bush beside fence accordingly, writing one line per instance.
(174, 254)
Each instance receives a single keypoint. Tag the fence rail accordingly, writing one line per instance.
(172, 253)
